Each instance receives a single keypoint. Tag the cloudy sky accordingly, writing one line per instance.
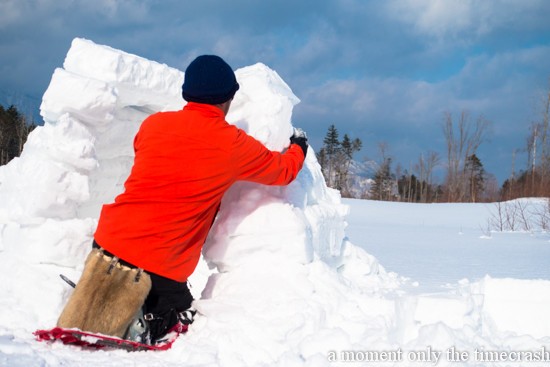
(382, 71)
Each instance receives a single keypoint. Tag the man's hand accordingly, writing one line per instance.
(299, 137)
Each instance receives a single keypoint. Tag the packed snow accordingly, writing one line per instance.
(284, 280)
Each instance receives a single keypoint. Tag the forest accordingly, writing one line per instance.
(14, 130)
(465, 178)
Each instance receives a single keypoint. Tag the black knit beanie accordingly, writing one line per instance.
(209, 79)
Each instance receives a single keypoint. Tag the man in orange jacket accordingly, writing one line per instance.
(184, 162)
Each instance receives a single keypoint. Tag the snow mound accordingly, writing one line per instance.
(272, 250)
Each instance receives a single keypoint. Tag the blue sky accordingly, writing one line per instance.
(382, 71)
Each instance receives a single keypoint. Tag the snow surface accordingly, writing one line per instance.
(281, 283)
(457, 234)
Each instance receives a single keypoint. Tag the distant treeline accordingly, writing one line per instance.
(14, 131)
(466, 179)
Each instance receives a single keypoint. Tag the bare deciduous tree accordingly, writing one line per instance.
(463, 138)
(545, 148)
(424, 169)
(384, 185)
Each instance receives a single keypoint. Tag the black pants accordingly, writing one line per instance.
(165, 294)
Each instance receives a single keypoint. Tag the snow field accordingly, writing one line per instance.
(280, 283)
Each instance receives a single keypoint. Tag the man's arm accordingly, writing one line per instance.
(254, 162)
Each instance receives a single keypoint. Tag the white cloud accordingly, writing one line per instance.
(26, 12)
(503, 87)
(120, 10)
(469, 19)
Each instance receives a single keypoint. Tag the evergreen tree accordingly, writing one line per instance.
(13, 133)
(409, 188)
(476, 177)
(331, 142)
(330, 151)
(383, 185)
(343, 162)
(349, 147)
(335, 158)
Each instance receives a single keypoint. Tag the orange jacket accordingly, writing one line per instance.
(184, 163)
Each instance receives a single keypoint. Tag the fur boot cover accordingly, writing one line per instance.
(107, 296)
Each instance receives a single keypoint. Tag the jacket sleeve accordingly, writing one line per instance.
(254, 162)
